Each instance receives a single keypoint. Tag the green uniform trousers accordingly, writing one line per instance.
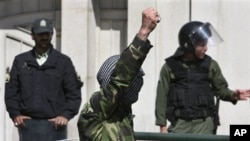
(197, 126)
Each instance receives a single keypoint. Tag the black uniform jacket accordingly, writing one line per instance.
(45, 91)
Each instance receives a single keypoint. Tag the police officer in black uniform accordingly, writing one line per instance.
(43, 92)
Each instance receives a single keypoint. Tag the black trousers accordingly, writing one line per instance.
(41, 130)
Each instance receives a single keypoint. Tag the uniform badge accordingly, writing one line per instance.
(7, 76)
(43, 23)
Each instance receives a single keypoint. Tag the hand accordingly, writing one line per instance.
(241, 94)
(59, 121)
(163, 129)
(150, 18)
(19, 120)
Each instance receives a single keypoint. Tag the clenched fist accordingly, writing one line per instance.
(150, 18)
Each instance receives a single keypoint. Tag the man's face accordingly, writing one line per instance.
(42, 40)
(200, 50)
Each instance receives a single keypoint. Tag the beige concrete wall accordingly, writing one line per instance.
(2, 82)
(74, 44)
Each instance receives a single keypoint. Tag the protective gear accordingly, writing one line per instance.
(190, 95)
(193, 33)
(103, 78)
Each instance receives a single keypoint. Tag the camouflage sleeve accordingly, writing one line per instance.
(126, 69)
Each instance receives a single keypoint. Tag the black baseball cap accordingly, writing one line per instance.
(42, 25)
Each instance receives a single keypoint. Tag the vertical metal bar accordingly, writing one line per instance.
(190, 10)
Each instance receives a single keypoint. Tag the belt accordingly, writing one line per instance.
(192, 114)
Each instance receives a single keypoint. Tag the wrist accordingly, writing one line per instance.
(234, 96)
(143, 34)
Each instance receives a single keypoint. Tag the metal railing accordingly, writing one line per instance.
(150, 136)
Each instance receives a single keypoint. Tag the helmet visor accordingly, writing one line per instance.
(205, 34)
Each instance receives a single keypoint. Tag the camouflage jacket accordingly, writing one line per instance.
(102, 118)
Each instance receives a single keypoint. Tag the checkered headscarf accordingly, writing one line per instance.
(105, 71)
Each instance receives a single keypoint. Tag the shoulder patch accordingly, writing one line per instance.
(7, 75)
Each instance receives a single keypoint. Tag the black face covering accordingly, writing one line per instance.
(103, 77)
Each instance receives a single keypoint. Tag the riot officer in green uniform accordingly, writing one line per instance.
(189, 81)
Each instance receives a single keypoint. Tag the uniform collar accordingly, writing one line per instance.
(51, 61)
(45, 54)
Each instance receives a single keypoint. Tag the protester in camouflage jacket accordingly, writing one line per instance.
(107, 115)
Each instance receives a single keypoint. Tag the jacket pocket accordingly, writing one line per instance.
(53, 82)
(53, 73)
(204, 95)
(25, 74)
(180, 98)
